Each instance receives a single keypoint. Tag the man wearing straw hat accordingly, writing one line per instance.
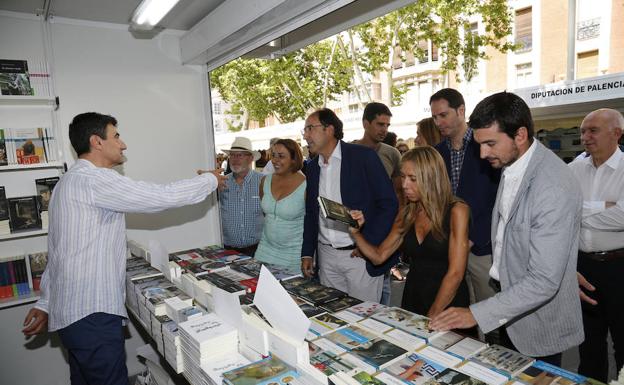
(241, 214)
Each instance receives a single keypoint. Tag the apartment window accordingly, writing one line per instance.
(587, 64)
(434, 52)
(524, 29)
(588, 16)
(216, 108)
(397, 62)
(523, 75)
(423, 45)
(353, 108)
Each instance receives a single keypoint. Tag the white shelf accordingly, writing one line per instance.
(24, 234)
(22, 299)
(26, 100)
(17, 167)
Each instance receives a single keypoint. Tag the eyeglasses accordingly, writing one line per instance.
(239, 154)
(309, 128)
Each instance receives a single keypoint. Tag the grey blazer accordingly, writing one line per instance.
(539, 301)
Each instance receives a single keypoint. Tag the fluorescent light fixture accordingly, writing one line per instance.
(150, 12)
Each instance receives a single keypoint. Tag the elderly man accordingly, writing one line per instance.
(535, 232)
(601, 247)
(241, 214)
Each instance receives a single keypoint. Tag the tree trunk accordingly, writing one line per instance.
(358, 71)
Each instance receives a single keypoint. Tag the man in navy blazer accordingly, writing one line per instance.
(354, 176)
(473, 180)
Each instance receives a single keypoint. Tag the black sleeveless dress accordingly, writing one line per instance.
(428, 264)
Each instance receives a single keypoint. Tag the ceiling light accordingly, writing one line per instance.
(150, 12)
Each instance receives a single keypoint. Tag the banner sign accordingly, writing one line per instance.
(576, 91)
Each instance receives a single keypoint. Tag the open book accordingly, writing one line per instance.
(336, 211)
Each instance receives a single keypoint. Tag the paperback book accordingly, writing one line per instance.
(329, 363)
(378, 353)
(412, 323)
(340, 304)
(24, 214)
(5, 227)
(453, 377)
(14, 77)
(325, 323)
(505, 361)
(414, 369)
(4, 160)
(542, 373)
(38, 262)
(350, 337)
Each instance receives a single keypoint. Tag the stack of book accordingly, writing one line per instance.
(202, 339)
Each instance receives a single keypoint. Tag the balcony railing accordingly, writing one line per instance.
(588, 29)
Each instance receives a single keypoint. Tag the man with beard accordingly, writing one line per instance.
(535, 233)
(241, 214)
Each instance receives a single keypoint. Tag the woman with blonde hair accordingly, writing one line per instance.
(427, 133)
(431, 230)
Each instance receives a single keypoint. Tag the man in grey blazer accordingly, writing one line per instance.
(535, 235)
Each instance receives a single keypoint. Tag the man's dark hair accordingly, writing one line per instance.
(327, 117)
(506, 109)
(373, 110)
(84, 125)
(451, 95)
(390, 139)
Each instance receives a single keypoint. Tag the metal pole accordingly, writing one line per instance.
(571, 40)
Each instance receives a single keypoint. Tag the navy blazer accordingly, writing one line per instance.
(478, 184)
(365, 186)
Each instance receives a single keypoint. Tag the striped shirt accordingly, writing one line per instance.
(457, 158)
(87, 237)
(241, 214)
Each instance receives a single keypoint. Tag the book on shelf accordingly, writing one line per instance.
(38, 262)
(15, 78)
(44, 193)
(24, 214)
(14, 276)
(29, 145)
(5, 227)
(336, 211)
(4, 160)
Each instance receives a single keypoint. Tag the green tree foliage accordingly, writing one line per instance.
(289, 86)
(286, 87)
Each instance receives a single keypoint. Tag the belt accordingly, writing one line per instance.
(603, 256)
(350, 247)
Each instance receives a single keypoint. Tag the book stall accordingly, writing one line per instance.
(219, 317)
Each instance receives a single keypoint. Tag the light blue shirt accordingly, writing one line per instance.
(87, 237)
(241, 214)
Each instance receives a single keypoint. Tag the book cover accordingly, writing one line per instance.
(412, 323)
(366, 309)
(503, 360)
(310, 310)
(44, 191)
(452, 377)
(250, 267)
(14, 78)
(4, 159)
(336, 211)
(29, 147)
(4, 205)
(414, 369)
(24, 214)
(325, 323)
(378, 353)
(321, 297)
(340, 304)
(328, 363)
(267, 371)
(541, 373)
(38, 262)
(350, 337)
(366, 379)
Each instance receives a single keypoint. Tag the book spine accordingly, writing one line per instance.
(13, 278)
(4, 287)
(23, 266)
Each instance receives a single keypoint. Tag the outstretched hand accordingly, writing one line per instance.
(36, 322)
(218, 173)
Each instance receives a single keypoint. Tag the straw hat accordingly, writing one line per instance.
(242, 144)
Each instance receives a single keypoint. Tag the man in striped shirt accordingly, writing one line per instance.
(82, 288)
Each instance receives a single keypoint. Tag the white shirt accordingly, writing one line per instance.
(602, 229)
(87, 237)
(331, 232)
(268, 168)
(512, 178)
